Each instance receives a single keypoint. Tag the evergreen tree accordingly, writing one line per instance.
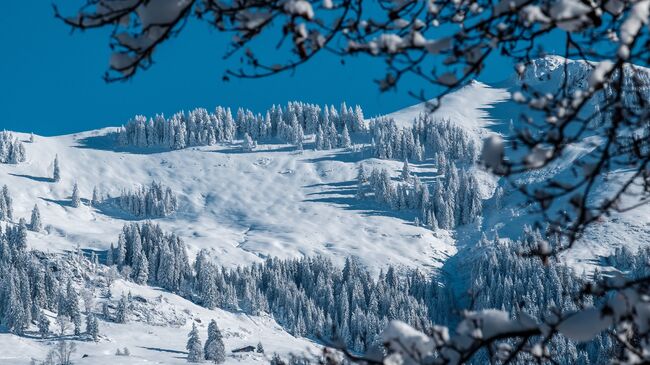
(319, 144)
(56, 175)
(14, 316)
(141, 269)
(72, 307)
(406, 171)
(121, 251)
(6, 204)
(43, 324)
(110, 256)
(35, 224)
(92, 327)
(194, 346)
(346, 142)
(248, 144)
(260, 348)
(75, 201)
(215, 350)
(122, 311)
(95, 199)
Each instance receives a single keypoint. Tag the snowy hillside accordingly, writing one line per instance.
(242, 206)
(340, 190)
(160, 336)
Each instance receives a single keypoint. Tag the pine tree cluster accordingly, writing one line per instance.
(11, 149)
(427, 137)
(202, 128)
(152, 256)
(455, 201)
(502, 278)
(408, 194)
(311, 297)
(154, 200)
(28, 283)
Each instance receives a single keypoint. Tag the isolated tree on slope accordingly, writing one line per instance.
(215, 350)
(56, 175)
(75, 201)
(36, 224)
(194, 346)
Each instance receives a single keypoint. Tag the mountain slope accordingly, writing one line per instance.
(242, 206)
(275, 201)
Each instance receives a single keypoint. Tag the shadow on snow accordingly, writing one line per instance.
(34, 178)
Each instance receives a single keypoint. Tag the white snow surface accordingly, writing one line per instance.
(242, 206)
(468, 107)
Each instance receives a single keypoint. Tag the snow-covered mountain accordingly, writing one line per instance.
(274, 201)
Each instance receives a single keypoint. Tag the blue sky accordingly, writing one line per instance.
(51, 79)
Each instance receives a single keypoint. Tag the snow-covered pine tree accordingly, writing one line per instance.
(56, 174)
(43, 325)
(35, 223)
(110, 256)
(297, 136)
(95, 198)
(319, 142)
(215, 350)
(248, 144)
(75, 200)
(259, 348)
(346, 142)
(332, 136)
(92, 326)
(194, 346)
(358, 124)
(406, 171)
(120, 257)
(141, 269)
(122, 311)
(72, 307)
(6, 204)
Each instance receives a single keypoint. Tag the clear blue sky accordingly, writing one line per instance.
(51, 79)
